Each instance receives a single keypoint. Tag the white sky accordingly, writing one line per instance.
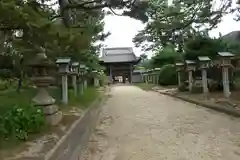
(123, 29)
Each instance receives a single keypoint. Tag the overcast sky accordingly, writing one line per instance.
(123, 29)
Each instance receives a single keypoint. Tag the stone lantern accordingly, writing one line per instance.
(191, 66)
(225, 63)
(74, 73)
(157, 75)
(41, 78)
(63, 68)
(179, 68)
(82, 69)
(204, 65)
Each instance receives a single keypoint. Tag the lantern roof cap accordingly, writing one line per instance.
(179, 64)
(204, 58)
(83, 66)
(63, 60)
(75, 64)
(225, 54)
(189, 62)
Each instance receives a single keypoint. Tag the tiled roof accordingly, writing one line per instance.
(123, 54)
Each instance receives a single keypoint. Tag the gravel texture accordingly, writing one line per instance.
(139, 125)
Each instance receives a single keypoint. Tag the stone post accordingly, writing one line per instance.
(225, 64)
(42, 80)
(179, 68)
(64, 64)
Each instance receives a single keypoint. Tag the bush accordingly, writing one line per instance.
(168, 75)
(19, 122)
(3, 85)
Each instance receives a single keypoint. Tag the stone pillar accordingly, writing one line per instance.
(225, 77)
(190, 80)
(204, 81)
(80, 86)
(74, 84)
(179, 79)
(85, 84)
(65, 89)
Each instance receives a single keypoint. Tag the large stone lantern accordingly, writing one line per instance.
(64, 69)
(191, 66)
(41, 78)
(225, 63)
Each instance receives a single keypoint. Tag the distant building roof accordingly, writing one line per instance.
(121, 54)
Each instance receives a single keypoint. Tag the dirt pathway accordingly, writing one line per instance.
(139, 125)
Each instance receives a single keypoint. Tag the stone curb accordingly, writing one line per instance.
(219, 109)
(71, 145)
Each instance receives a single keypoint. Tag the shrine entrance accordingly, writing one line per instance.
(119, 64)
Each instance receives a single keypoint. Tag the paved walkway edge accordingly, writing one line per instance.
(71, 145)
(219, 109)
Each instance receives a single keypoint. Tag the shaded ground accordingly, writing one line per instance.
(139, 125)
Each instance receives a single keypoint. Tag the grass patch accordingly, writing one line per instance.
(83, 101)
(145, 86)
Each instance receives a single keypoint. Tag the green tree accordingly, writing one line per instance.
(178, 22)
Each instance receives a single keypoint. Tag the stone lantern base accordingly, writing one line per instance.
(50, 110)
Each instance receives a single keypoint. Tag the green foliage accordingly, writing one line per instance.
(90, 94)
(164, 56)
(203, 46)
(168, 75)
(175, 24)
(19, 122)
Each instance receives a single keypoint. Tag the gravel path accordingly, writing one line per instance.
(139, 125)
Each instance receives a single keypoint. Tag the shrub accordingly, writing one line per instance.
(3, 85)
(19, 122)
(168, 75)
